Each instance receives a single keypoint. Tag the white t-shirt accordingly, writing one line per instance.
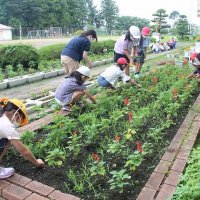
(112, 73)
(7, 129)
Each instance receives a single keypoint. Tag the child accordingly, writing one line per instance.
(196, 63)
(13, 114)
(124, 45)
(73, 88)
(140, 50)
(113, 73)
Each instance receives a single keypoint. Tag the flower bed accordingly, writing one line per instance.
(108, 151)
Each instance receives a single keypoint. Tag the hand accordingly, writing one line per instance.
(40, 163)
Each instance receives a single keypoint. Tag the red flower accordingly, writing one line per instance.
(174, 92)
(117, 138)
(95, 157)
(130, 116)
(75, 133)
(139, 146)
(126, 101)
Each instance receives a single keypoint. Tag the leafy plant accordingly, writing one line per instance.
(56, 157)
(1, 75)
(10, 72)
(20, 70)
(119, 180)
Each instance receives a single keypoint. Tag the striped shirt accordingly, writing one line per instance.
(66, 89)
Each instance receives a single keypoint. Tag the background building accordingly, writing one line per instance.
(5, 32)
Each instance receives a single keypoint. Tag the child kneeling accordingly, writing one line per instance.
(73, 88)
(113, 73)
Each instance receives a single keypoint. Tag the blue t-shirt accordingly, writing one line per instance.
(76, 47)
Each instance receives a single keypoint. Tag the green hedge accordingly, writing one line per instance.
(53, 52)
(18, 54)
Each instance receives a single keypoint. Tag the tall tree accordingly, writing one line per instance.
(109, 11)
(182, 26)
(160, 22)
(124, 22)
(92, 12)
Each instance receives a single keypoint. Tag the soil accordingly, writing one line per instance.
(56, 177)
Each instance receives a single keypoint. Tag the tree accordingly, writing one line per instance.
(124, 22)
(109, 13)
(174, 15)
(92, 13)
(182, 26)
(160, 22)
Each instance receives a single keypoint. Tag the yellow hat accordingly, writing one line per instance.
(20, 105)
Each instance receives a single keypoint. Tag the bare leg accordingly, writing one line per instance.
(77, 96)
(127, 70)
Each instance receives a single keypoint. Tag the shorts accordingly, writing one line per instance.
(3, 143)
(103, 82)
(69, 64)
(140, 57)
(117, 56)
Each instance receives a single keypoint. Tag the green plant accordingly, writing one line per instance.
(20, 70)
(134, 160)
(10, 72)
(1, 75)
(119, 180)
(98, 168)
(56, 157)
(18, 54)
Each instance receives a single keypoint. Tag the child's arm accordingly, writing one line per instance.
(132, 82)
(89, 96)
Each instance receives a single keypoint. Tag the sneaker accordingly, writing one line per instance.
(66, 108)
(6, 172)
(136, 75)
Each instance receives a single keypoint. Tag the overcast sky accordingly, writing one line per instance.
(145, 8)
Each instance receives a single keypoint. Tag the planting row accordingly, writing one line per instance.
(47, 69)
(108, 150)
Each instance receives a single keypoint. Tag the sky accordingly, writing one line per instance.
(145, 8)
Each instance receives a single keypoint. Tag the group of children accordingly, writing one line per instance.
(73, 87)
(130, 48)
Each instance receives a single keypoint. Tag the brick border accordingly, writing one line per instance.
(166, 176)
(19, 187)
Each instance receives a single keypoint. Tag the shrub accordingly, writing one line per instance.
(102, 46)
(18, 54)
(77, 33)
(51, 52)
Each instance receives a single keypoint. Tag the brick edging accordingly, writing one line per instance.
(163, 181)
(20, 187)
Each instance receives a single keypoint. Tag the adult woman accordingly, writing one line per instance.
(13, 114)
(76, 50)
(124, 45)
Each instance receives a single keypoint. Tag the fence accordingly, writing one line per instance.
(55, 32)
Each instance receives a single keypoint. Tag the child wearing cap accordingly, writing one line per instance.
(140, 50)
(73, 88)
(124, 45)
(76, 50)
(113, 73)
(12, 115)
(195, 57)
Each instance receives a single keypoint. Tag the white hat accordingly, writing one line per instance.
(135, 32)
(84, 70)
